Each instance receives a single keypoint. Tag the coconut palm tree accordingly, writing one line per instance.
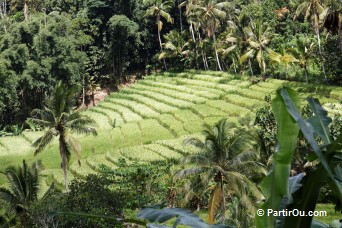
(228, 158)
(303, 51)
(59, 119)
(258, 38)
(23, 186)
(314, 11)
(175, 46)
(282, 58)
(210, 13)
(159, 9)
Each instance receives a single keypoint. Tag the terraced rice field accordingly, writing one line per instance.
(153, 117)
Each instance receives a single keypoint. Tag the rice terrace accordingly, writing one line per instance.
(162, 113)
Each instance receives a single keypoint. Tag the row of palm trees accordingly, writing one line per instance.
(242, 39)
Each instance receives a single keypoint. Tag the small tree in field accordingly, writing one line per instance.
(59, 119)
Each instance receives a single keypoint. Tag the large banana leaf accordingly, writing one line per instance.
(184, 217)
(316, 125)
(276, 184)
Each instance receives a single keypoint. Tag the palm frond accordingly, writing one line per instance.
(215, 203)
(43, 141)
(190, 171)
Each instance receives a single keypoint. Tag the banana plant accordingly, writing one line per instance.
(277, 186)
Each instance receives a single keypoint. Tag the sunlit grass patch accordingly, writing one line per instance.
(139, 153)
(164, 151)
(243, 101)
(151, 130)
(14, 145)
(174, 125)
(131, 134)
(140, 109)
(186, 116)
(228, 108)
(206, 111)
(97, 161)
(126, 113)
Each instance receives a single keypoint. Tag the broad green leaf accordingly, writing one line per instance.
(320, 120)
(276, 185)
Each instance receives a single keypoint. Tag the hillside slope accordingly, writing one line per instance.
(149, 120)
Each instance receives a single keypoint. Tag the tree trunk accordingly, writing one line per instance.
(250, 66)
(194, 39)
(306, 74)
(26, 10)
(320, 50)
(216, 54)
(62, 150)
(160, 42)
(223, 201)
(180, 18)
(205, 61)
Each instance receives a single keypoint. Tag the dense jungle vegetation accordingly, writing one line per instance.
(209, 106)
(91, 43)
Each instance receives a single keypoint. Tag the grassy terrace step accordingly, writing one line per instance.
(228, 108)
(223, 87)
(179, 146)
(81, 171)
(252, 94)
(174, 125)
(110, 114)
(243, 101)
(97, 161)
(140, 109)
(131, 134)
(183, 89)
(127, 114)
(206, 111)
(164, 151)
(150, 102)
(100, 118)
(14, 145)
(160, 97)
(151, 130)
(262, 89)
(172, 93)
(139, 153)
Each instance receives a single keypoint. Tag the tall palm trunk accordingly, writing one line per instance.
(320, 49)
(204, 57)
(62, 150)
(216, 54)
(250, 66)
(306, 74)
(180, 17)
(26, 9)
(223, 201)
(160, 41)
(194, 39)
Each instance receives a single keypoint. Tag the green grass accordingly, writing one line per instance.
(154, 117)
(174, 125)
(151, 131)
(332, 215)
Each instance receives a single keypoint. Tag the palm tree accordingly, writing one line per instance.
(236, 39)
(23, 186)
(303, 51)
(282, 58)
(258, 39)
(229, 159)
(175, 47)
(210, 12)
(316, 13)
(159, 9)
(60, 120)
